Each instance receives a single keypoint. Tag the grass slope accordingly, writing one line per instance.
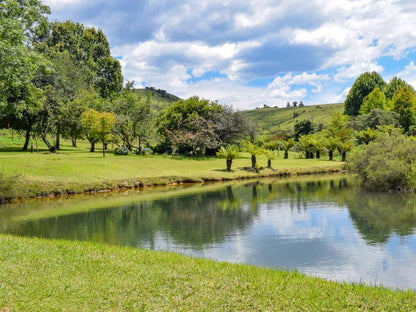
(42, 275)
(271, 119)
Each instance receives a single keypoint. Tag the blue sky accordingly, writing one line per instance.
(251, 53)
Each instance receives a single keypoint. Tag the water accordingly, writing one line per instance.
(327, 226)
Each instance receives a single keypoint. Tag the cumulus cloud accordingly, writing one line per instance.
(317, 45)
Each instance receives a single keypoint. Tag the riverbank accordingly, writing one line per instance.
(76, 171)
(40, 275)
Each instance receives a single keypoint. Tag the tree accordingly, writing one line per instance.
(366, 136)
(253, 150)
(375, 118)
(306, 144)
(330, 144)
(71, 113)
(20, 99)
(60, 86)
(404, 103)
(134, 123)
(360, 89)
(98, 126)
(393, 86)
(201, 122)
(344, 147)
(90, 49)
(375, 100)
(270, 155)
(88, 118)
(302, 127)
(228, 153)
(102, 128)
(287, 145)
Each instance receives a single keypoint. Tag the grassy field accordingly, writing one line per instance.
(43, 275)
(76, 170)
(271, 119)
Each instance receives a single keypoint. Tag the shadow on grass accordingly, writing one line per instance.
(223, 170)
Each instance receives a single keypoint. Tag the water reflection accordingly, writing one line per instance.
(328, 227)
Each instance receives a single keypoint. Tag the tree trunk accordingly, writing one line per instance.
(229, 163)
(344, 155)
(27, 139)
(269, 163)
(307, 155)
(253, 161)
(331, 154)
(318, 154)
(51, 148)
(92, 142)
(286, 155)
(104, 148)
(57, 141)
(74, 142)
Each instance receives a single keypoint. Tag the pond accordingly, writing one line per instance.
(323, 226)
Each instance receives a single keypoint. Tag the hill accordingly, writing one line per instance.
(272, 119)
(160, 95)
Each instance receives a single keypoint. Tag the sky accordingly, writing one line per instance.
(253, 53)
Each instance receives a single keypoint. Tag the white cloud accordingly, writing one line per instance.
(290, 41)
(409, 74)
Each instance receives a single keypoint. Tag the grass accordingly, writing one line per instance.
(76, 170)
(272, 119)
(43, 275)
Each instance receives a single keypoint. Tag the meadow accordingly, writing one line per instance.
(76, 170)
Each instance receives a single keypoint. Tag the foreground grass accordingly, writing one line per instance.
(75, 170)
(42, 275)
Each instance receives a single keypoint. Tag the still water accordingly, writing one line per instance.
(327, 226)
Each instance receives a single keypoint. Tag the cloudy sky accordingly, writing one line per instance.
(250, 53)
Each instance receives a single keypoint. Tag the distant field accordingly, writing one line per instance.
(272, 119)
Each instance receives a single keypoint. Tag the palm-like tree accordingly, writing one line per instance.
(270, 155)
(306, 145)
(330, 144)
(344, 147)
(254, 150)
(366, 136)
(228, 153)
(287, 145)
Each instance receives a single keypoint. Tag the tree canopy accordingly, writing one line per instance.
(362, 87)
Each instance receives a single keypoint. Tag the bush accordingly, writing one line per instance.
(121, 150)
(386, 164)
(143, 151)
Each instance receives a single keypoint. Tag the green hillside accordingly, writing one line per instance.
(271, 119)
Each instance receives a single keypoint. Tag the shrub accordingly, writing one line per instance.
(386, 164)
(121, 150)
(143, 151)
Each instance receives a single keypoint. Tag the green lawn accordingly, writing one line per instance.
(75, 170)
(43, 275)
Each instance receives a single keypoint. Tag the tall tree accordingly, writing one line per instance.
(360, 89)
(133, 123)
(20, 99)
(404, 103)
(394, 85)
(375, 100)
(90, 49)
